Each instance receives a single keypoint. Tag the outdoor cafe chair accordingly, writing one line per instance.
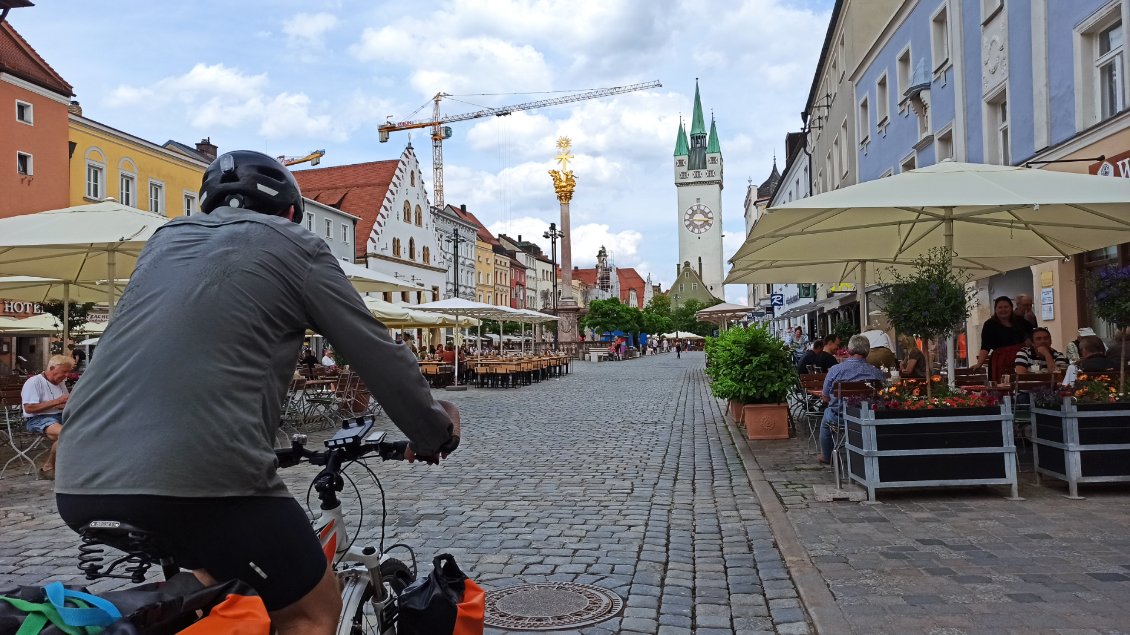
(25, 444)
(971, 377)
(843, 390)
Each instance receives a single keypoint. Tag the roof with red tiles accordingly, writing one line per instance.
(480, 229)
(357, 189)
(587, 276)
(631, 279)
(18, 58)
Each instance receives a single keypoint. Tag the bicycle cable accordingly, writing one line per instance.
(384, 509)
(360, 517)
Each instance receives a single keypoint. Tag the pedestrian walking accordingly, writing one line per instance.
(678, 349)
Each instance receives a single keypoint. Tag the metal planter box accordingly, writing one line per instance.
(930, 448)
(1088, 443)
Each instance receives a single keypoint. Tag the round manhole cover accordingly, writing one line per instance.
(550, 606)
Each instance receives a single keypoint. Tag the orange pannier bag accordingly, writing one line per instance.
(236, 615)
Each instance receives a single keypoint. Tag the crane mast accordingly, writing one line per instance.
(439, 131)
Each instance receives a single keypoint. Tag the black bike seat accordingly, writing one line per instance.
(123, 537)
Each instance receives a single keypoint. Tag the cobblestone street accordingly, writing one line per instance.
(620, 475)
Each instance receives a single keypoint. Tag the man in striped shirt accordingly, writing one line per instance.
(1040, 357)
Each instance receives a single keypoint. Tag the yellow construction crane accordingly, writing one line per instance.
(441, 132)
(314, 158)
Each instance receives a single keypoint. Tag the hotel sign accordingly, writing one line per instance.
(1117, 165)
(15, 308)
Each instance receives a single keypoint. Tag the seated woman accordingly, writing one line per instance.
(914, 361)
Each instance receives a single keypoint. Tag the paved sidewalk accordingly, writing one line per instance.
(963, 560)
(620, 475)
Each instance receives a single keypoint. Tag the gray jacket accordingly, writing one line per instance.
(184, 397)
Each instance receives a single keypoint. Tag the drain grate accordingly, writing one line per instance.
(550, 606)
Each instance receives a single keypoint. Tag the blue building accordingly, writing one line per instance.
(1015, 82)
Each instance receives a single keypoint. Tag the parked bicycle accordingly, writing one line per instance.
(371, 580)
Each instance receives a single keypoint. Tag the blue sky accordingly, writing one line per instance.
(286, 77)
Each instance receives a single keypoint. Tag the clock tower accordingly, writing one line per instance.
(698, 182)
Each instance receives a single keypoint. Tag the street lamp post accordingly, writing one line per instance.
(455, 239)
(553, 234)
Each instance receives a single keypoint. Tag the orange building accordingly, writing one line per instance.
(34, 166)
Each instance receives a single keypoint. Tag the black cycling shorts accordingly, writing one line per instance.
(264, 541)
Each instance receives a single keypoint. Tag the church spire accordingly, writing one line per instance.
(712, 146)
(681, 146)
(697, 125)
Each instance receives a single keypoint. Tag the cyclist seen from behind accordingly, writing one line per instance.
(172, 427)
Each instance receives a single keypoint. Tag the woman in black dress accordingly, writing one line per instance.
(1004, 335)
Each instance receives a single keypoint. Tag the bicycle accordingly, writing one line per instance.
(371, 580)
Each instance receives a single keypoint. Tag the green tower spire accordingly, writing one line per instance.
(712, 145)
(697, 125)
(682, 148)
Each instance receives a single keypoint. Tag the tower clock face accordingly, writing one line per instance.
(698, 218)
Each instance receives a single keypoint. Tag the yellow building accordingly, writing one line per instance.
(484, 272)
(108, 163)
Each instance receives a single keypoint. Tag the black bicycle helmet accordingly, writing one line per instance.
(251, 180)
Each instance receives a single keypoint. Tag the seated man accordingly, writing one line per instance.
(44, 396)
(854, 368)
(812, 358)
(1040, 357)
(1092, 356)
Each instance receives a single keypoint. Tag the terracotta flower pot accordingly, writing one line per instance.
(766, 421)
(735, 411)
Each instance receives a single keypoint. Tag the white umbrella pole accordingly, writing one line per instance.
(455, 342)
(111, 276)
(863, 308)
(951, 341)
(66, 315)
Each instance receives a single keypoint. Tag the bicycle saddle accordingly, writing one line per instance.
(141, 548)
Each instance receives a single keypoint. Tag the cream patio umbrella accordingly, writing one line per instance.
(993, 218)
(721, 314)
(406, 316)
(459, 307)
(532, 318)
(81, 244)
(367, 280)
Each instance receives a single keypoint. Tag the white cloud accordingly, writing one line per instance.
(309, 29)
(453, 64)
(215, 80)
(586, 240)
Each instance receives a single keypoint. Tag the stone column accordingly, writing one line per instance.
(563, 185)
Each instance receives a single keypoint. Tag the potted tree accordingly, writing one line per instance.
(753, 369)
(920, 433)
(1082, 433)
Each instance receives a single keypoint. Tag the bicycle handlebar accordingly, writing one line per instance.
(297, 452)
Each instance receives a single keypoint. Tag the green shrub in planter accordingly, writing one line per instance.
(750, 366)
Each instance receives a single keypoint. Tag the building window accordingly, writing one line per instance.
(345, 233)
(488, 279)
(943, 144)
(157, 197)
(396, 247)
(940, 38)
(882, 102)
(310, 222)
(412, 178)
(864, 123)
(24, 113)
(127, 190)
(411, 248)
(189, 203)
(419, 217)
(24, 164)
(844, 149)
(95, 178)
(426, 255)
(694, 286)
(904, 70)
(835, 158)
(407, 212)
(997, 139)
(908, 163)
(329, 229)
(1108, 70)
